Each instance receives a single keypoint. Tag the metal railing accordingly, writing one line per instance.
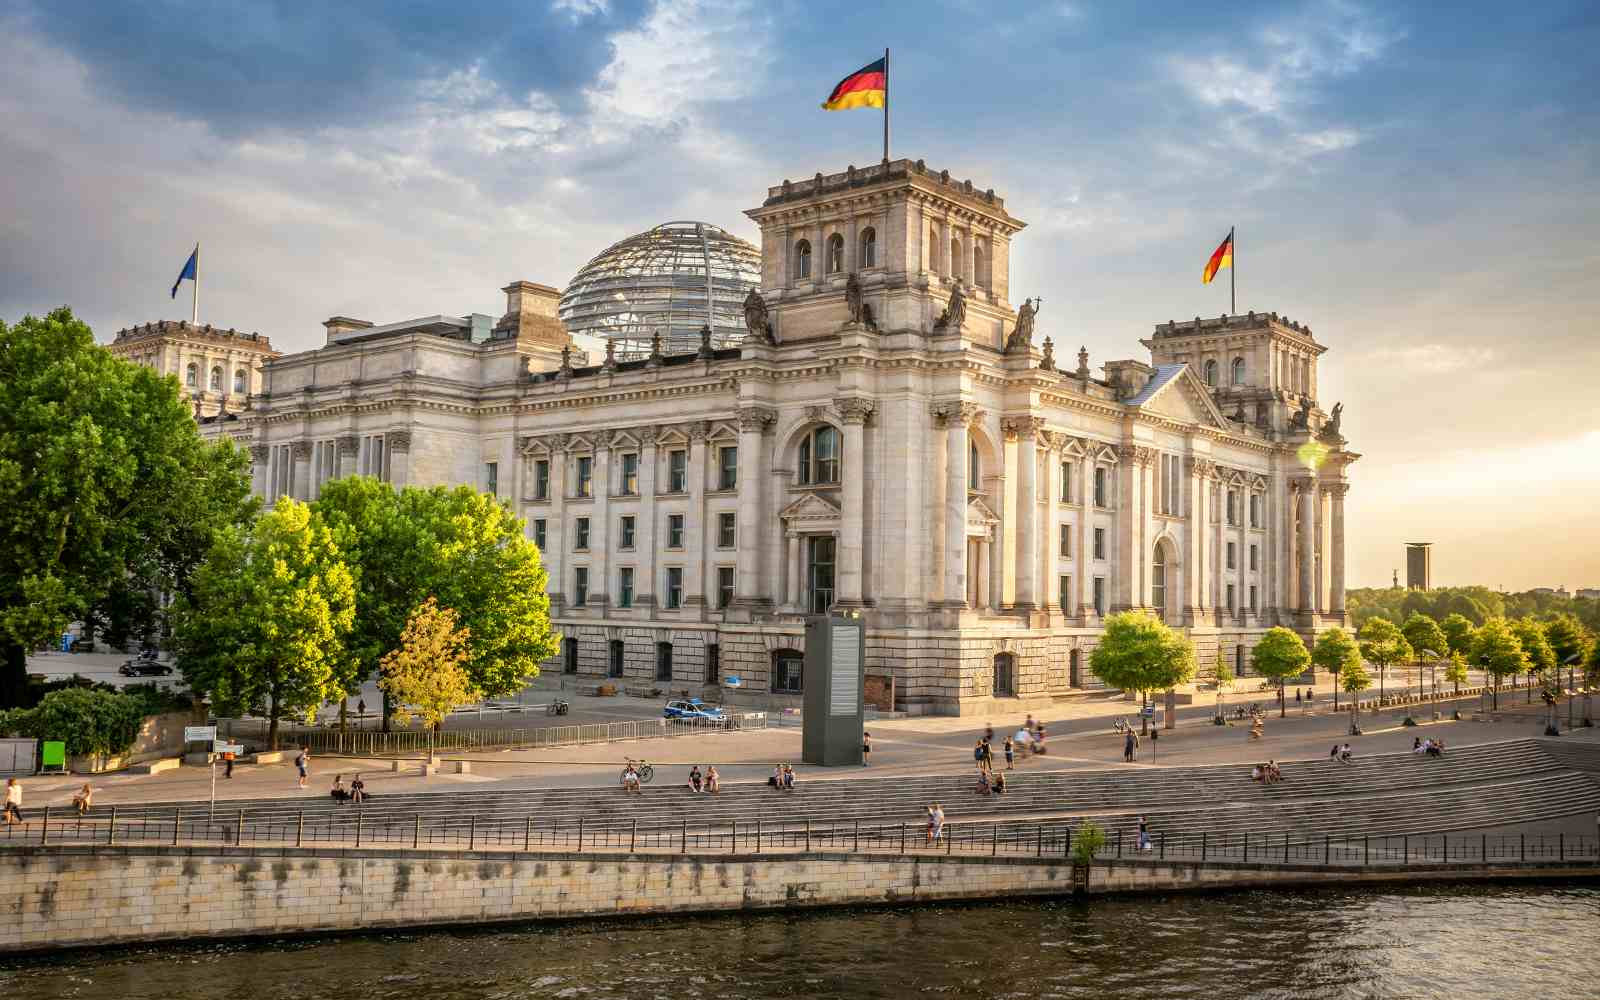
(361, 743)
(351, 827)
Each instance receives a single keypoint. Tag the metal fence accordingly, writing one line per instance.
(377, 744)
(351, 827)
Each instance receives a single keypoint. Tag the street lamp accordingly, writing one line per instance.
(1433, 678)
(1571, 663)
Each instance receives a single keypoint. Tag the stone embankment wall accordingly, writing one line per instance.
(62, 897)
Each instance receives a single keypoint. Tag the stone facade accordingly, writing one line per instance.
(218, 369)
(900, 443)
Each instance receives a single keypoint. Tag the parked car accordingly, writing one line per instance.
(142, 667)
(694, 709)
(82, 646)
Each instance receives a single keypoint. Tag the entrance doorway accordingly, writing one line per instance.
(1005, 675)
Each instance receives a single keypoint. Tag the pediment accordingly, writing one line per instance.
(811, 509)
(1186, 400)
(981, 519)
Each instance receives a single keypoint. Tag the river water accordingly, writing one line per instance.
(1457, 941)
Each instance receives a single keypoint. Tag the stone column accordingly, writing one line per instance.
(600, 526)
(645, 529)
(315, 486)
(1027, 521)
(1085, 558)
(792, 599)
(555, 527)
(694, 519)
(301, 453)
(349, 449)
(1218, 513)
(985, 554)
(1194, 576)
(260, 470)
(1050, 550)
(957, 417)
(937, 506)
(1336, 587)
(1305, 556)
(852, 514)
(748, 579)
(1130, 527)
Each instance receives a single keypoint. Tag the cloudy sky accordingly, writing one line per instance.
(1420, 184)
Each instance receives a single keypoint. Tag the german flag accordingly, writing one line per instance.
(867, 87)
(1220, 258)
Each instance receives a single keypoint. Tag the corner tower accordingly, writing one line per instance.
(910, 236)
(1261, 368)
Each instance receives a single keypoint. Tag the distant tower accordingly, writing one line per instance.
(1419, 565)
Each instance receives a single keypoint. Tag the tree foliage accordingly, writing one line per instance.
(1423, 634)
(1498, 651)
(1568, 640)
(426, 675)
(1354, 677)
(1333, 652)
(87, 720)
(1280, 654)
(1455, 672)
(1383, 644)
(104, 483)
(264, 628)
(1139, 653)
(457, 546)
(1531, 634)
(1475, 603)
(1459, 632)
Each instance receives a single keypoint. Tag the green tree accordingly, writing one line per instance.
(458, 546)
(1456, 671)
(1280, 654)
(1458, 632)
(1354, 679)
(264, 627)
(1426, 638)
(1569, 641)
(103, 480)
(1498, 651)
(1224, 678)
(88, 721)
(1139, 653)
(1334, 652)
(1541, 658)
(427, 674)
(1382, 643)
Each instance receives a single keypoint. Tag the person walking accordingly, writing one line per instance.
(988, 755)
(227, 764)
(1144, 834)
(938, 823)
(1011, 753)
(866, 747)
(13, 811)
(302, 763)
(1127, 746)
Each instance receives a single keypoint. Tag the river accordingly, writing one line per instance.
(1456, 941)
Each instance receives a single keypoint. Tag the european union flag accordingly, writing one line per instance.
(191, 270)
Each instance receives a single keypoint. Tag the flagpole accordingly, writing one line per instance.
(194, 305)
(886, 105)
(1233, 272)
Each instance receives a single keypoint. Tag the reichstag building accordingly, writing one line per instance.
(857, 415)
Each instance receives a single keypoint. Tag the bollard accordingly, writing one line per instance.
(238, 831)
(44, 830)
(111, 830)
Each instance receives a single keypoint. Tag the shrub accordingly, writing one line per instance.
(1087, 842)
(87, 721)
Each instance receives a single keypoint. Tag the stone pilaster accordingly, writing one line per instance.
(300, 451)
(852, 517)
(1337, 493)
(748, 578)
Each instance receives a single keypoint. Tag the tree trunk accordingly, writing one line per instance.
(272, 720)
(1282, 705)
(1381, 670)
(1144, 720)
(14, 676)
(386, 711)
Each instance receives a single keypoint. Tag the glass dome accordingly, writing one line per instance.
(671, 280)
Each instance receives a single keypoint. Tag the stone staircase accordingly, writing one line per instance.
(1486, 785)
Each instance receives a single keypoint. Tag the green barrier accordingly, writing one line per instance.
(55, 755)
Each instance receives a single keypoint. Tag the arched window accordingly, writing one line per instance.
(869, 247)
(1005, 675)
(835, 253)
(1211, 373)
(1238, 371)
(802, 259)
(1158, 582)
(955, 258)
(216, 379)
(238, 381)
(979, 276)
(973, 479)
(191, 377)
(786, 671)
(933, 248)
(819, 457)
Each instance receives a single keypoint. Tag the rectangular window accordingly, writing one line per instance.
(663, 661)
(725, 530)
(674, 531)
(1252, 598)
(728, 468)
(724, 586)
(1254, 562)
(541, 479)
(1099, 543)
(569, 655)
(674, 587)
(1233, 506)
(1100, 596)
(1231, 605)
(491, 477)
(821, 553)
(1066, 541)
(1255, 510)
(1100, 486)
(1066, 482)
(580, 535)
(580, 586)
(630, 475)
(625, 587)
(787, 674)
(585, 476)
(713, 663)
(539, 532)
(1231, 559)
(615, 662)
(627, 532)
(1064, 591)
(677, 471)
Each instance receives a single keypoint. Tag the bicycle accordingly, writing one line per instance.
(557, 707)
(644, 770)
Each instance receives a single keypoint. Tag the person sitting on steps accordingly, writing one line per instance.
(358, 789)
(983, 780)
(694, 778)
(84, 799)
(713, 780)
(999, 785)
(340, 794)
